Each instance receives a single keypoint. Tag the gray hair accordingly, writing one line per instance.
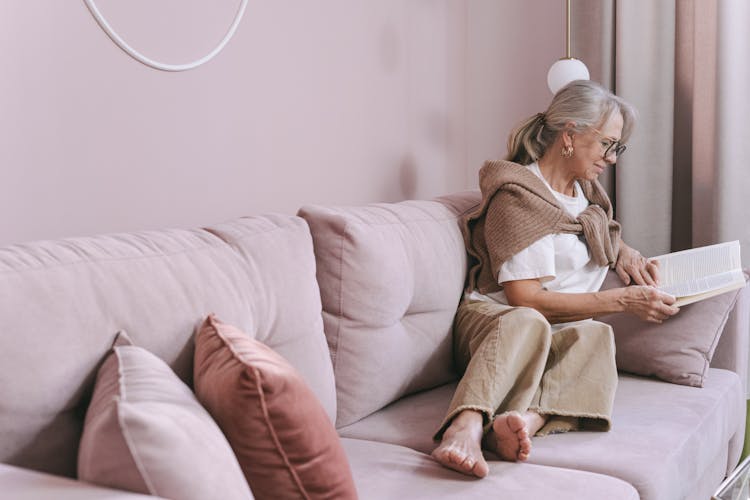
(585, 103)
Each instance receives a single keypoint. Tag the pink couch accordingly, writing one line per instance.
(387, 278)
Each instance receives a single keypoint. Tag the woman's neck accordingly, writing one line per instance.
(557, 176)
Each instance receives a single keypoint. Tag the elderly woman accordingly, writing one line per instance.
(542, 240)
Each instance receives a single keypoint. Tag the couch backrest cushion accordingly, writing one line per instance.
(285, 307)
(62, 302)
(390, 278)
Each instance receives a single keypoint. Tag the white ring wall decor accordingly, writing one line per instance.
(156, 64)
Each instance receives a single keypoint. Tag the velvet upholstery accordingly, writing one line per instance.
(146, 432)
(649, 417)
(283, 438)
(383, 471)
(24, 484)
(283, 308)
(62, 301)
(680, 349)
(391, 276)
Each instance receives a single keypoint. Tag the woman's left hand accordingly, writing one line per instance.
(632, 265)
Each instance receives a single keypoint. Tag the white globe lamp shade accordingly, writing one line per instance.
(565, 71)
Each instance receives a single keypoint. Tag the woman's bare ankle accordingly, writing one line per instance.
(468, 418)
(534, 421)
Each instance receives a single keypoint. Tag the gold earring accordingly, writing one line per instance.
(567, 151)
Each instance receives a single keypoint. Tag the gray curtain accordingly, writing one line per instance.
(684, 64)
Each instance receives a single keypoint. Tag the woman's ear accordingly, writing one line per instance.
(568, 132)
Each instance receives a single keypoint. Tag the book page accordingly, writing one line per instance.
(685, 268)
(707, 284)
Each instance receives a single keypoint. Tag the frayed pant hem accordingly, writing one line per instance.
(486, 419)
(585, 421)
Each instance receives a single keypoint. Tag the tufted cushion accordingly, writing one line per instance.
(390, 277)
(284, 310)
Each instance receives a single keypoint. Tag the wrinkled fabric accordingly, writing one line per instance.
(517, 209)
(513, 362)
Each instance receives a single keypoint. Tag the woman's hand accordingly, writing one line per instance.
(648, 303)
(631, 264)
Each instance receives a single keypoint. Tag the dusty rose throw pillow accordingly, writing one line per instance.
(680, 349)
(146, 432)
(285, 443)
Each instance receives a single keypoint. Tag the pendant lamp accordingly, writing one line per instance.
(568, 68)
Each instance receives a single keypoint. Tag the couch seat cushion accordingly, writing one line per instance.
(663, 440)
(389, 471)
(25, 484)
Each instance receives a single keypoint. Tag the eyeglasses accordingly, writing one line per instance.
(610, 146)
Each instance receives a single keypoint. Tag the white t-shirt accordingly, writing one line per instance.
(562, 262)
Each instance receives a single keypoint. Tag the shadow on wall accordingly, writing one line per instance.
(408, 176)
(390, 49)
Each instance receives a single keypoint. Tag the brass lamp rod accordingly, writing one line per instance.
(567, 30)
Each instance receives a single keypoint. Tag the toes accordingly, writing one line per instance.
(524, 449)
(481, 469)
(460, 462)
(525, 445)
(477, 467)
(454, 456)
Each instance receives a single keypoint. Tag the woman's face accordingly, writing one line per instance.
(589, 160)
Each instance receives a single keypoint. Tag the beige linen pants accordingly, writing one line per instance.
(513, 361)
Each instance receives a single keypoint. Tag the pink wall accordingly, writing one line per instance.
(513, 44)
(332, 101)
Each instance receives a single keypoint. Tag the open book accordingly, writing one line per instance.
(699, 273)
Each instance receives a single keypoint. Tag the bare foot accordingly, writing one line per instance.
(460, 448)
(510, 436)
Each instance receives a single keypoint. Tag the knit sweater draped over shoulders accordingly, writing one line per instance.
(518, 209)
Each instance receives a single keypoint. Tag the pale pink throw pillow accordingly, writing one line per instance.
(285, 443)
(145, 432)
(680, 349)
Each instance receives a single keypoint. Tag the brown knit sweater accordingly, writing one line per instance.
(517, 209)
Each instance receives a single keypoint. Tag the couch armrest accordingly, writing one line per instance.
(732, 351)
(24, 484)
